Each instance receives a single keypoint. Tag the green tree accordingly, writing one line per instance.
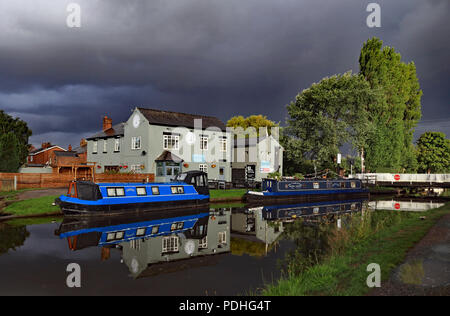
(325, 116)
(255, 121)
(433, 152)
(394, 119)
(14, 134)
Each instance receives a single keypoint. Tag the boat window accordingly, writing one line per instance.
(119, 235)
(180, 225)
(342, 184)
(115, 192)
(155, 190)
(173, 226)
(140, 232)
(110, 236)
(155, 229)
(181, 177)
(141, 191)
(316, 185)
(353, 184)
(177, 190)
(200, 181)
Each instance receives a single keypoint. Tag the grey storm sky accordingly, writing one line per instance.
(211, 57)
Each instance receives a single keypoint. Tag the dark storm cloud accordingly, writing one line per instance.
(212, 57)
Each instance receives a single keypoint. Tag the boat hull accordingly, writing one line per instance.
(76, 209)
(264, 199)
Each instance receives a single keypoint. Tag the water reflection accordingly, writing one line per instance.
(410, 205)
(154, 243)
(241, 247)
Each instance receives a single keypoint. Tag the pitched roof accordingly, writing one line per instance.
(168, 156)
(116, 130)
(34, 152)
(168, 118)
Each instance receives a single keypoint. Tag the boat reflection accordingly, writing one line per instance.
(256, 230)
(153, 243)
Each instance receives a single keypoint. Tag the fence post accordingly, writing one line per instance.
(15, 183)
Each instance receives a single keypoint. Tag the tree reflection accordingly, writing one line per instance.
(12, 237)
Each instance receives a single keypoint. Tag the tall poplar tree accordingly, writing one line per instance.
(390, 148)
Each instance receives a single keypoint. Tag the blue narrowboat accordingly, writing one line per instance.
(107, 231)
(274, 191)
(189, 189)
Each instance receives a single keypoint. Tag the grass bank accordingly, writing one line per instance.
(382, 237)
(37, 206)
(227, 195)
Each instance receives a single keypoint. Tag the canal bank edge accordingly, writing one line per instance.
(346, 274)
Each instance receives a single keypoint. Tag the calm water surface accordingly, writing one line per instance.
(199, 252)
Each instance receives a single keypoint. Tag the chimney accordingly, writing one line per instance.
(70, 148)
(83, 142)
(107, 123)
(46, 145)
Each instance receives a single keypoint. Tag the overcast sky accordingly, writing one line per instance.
(211, 57)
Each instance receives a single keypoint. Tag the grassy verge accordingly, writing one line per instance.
(384, 239)
(12, 195)
(35, 206)
(222, 194)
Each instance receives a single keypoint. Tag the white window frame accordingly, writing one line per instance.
(134, 143)
(117, 145)
(135, 168)
(170, 244)
(203, 167)
(203, 142)
(95, 147)
(105, 146)
(171, 142)
(223, 145)
(222, 237)
(203, 243)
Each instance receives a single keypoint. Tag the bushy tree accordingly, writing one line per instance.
(14, 134)
(255, 121)
(433, 152)
(328, 114)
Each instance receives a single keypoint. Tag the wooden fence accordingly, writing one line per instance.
(42, 180)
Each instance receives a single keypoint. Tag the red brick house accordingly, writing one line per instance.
(44, 155)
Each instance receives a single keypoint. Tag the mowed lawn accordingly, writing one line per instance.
(39, 205)
(233, 193)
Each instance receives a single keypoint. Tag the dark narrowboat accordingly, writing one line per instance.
(189, 189)
(274, 191)
(311, 209)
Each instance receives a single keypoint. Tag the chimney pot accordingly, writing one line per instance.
(107, 123)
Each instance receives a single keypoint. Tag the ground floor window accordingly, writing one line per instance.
(203, 167)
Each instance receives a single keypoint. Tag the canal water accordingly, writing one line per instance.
(216, 251)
